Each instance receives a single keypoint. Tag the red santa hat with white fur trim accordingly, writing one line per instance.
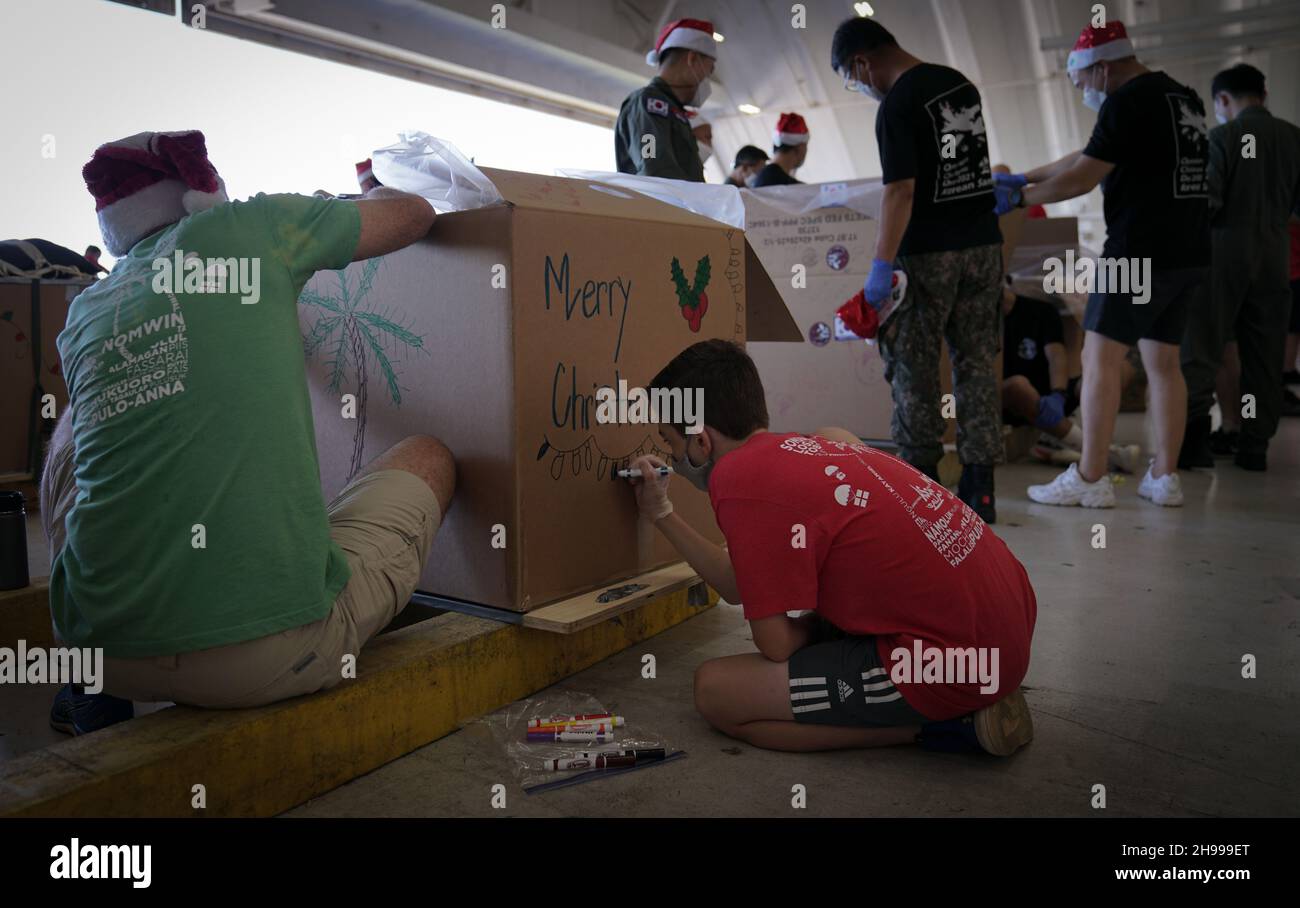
(148, 181)
(791, 129)
(1110, 42)
(691, 34)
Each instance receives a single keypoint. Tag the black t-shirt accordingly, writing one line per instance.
(774, 175)
(930, 128)
(1026, 331)
(1157, 197)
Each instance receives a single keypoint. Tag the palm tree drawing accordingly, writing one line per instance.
(355, 335)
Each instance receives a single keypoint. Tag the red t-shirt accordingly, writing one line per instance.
(886, 552)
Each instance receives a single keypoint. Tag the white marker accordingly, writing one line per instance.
(635, 473)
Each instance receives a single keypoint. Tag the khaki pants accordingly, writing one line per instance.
(384, 522)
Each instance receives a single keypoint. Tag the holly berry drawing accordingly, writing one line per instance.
(692, 299)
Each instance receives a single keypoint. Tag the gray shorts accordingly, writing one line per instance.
(842, 682)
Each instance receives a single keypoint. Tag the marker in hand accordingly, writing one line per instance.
(635, 473)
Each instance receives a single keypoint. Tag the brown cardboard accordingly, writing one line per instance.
(17, 377)
(491, 371)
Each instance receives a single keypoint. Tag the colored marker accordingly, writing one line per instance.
(644, 754)
(570, 737)
(599, 728)
(635, 472)
(602, 761)
(576, 720)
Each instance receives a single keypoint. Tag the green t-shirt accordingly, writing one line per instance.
(199, 519)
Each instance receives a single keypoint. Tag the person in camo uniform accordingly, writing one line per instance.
(937, 220)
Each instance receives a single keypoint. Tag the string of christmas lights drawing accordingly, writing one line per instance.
(581, 456)
(356, 333)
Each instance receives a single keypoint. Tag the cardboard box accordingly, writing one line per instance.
(25, 331)
(494, 334)
(819, 381)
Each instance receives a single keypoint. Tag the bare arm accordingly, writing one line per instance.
(780, 636)
(708, 559)
(391, 220)
(895, 213)
(1078, 179)
(1056, 367)
(1047, 171)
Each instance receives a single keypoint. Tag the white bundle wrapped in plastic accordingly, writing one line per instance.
(436, 170)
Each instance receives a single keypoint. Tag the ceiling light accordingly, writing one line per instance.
(749, 109)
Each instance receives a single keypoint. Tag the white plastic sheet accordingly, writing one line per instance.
(711, 200)
(435, 169)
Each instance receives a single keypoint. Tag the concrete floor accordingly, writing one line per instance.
(1135, 685)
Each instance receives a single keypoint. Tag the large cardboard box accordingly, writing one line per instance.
(29, 326)
(821, 381)
(494, 334)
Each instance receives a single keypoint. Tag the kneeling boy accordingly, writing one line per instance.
(920, 618)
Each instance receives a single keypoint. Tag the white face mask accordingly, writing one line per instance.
(706, 151)
(1222, 118)
(1093, 98)
(696, 476)
(751, 180)
(702, 92)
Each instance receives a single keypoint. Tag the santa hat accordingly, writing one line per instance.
(1110, 42)
(691, 34)
(147, 181)
(365, 171)
(790, 130)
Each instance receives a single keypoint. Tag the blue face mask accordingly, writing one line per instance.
(1093, 98)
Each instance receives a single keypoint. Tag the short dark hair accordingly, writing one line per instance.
(858, 36)
(1239, 81)
(734, 401)
(749, 155)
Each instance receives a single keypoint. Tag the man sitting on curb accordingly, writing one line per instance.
(921, 618)
(181, 497)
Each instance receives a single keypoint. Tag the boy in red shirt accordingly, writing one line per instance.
(920, 618)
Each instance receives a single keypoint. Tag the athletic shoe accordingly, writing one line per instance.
(1006, 726)
(1255, 461)
(1069, 489)
(975, 488)
(1125, 458)
(77, 713)
(1224, 443)
(1166, 491)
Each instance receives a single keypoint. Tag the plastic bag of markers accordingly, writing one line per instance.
(531, 761)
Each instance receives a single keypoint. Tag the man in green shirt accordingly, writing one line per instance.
(653, 135)
(190, 540)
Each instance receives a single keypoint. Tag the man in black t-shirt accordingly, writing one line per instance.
(789, 151)
(937, 221)
(749, 161)
(1148, 152)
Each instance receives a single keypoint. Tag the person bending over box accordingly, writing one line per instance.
(181, 496)
(918, 620)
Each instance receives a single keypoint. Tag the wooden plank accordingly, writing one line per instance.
(413, 686)
(569, 616)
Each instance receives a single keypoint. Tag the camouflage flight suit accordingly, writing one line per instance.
(956, 296)
(655, 111)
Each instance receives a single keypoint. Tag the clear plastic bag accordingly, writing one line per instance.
(429, 167)
(533, 761)
(719, 202)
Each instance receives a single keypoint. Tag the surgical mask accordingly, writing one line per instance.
(870, 91)
(702, 92)
(1222, 118)
(751, 180)
(696, 476)
(706, 151)
(1093, 98)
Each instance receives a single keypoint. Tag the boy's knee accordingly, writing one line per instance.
(431, 460)
(708, 684)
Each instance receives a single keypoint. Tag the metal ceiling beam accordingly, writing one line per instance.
(1284, 9)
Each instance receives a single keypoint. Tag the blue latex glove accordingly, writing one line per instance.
(1051, 410)
(1012, 180)
(879, 283)
(1008, 197)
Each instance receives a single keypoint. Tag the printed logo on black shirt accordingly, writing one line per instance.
(1190, 138)
(966, 173)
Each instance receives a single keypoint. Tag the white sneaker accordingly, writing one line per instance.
(1125, 458)
(1072, 489)
(1167, 490)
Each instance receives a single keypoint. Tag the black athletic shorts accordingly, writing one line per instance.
(1161, 318)
(841, 682)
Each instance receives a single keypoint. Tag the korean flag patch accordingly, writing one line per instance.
(657, 106)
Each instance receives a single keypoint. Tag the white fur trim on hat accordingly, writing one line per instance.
(685, 36)
(1112, 50)
(195, 201)
(789, 138)
(127, 221)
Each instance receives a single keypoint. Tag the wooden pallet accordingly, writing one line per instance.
(571, 615)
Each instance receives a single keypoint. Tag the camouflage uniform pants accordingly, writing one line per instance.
(954, 296)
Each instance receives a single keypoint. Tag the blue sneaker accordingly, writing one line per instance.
(77, 713)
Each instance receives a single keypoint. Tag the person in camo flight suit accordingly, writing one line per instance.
(937, 220)
(685, 54)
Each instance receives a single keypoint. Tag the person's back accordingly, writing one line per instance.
(199, 520)
(1256, 172)
(891, 554)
